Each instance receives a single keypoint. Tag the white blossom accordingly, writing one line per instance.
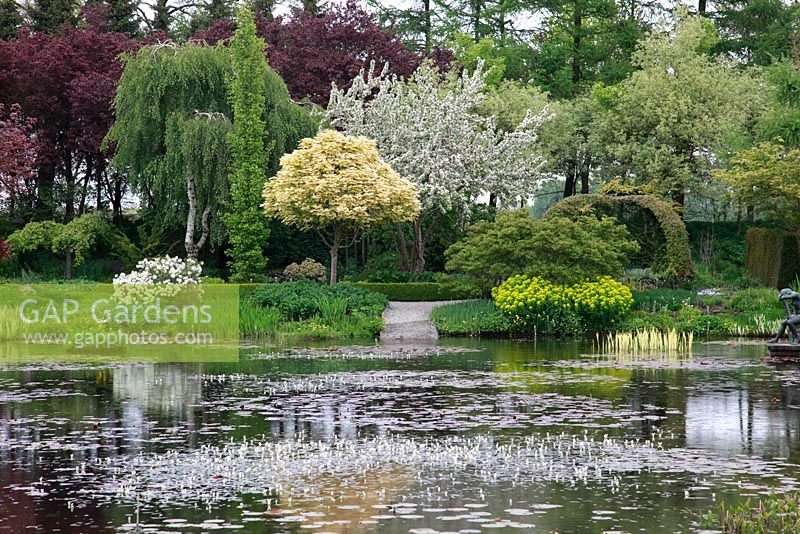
(427, 129)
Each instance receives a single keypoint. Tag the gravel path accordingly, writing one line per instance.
(404, 321)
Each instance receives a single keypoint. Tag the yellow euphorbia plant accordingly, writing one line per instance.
(338, 185)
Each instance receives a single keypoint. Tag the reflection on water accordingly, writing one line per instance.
(510, 435)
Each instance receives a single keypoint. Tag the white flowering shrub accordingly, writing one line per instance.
(163, 270)
(168, 273)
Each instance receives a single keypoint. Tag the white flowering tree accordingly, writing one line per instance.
(428, 129)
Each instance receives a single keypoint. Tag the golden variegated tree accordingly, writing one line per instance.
(338, 185)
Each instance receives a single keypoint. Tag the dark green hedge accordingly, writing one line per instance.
(414, 291)
(772, 256)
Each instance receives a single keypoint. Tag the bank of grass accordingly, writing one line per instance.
(471, 318)
(776, 514)
(307, 310)
(753, 312)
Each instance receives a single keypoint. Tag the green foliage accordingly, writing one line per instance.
(33, 236)
(767, 177)
(758, 32)
(675, 111)
(395, 276)
(159, 82)
(509, 101)
(158, 138)
(468, 53)
(781, 124)
(257, 321)
(195, 148)
(585, 42)
(52, 15)
(301, 299)
(247, 226)
(414, 291)
(676, 260)
(557, 248)
(10, 19)
(655, 300)
(750, 312)
(776, 514)
(719, 252)
(772, 256)
(78, 237)
(473, 318)
(754, 300)
(535, 304)
(332, 309)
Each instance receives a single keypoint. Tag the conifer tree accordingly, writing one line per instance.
(248, 228)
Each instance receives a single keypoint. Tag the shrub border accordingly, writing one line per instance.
(678, 261)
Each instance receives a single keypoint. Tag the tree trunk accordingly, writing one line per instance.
(402, 257)
(337, 241)
(70, 269)
(427, 24)
(192, 248)
(679, 196)
(45, 185)
(576, 44)
(418, 249)
(69, 178)
(476, 19)
(570, 178)
(584, 180)
(701, 7)
(116, 200)
(99, 174)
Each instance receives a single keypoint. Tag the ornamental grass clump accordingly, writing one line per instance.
(534, 303)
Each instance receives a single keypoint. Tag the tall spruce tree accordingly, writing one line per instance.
(757, 32)
(121, 16)
(52, 15)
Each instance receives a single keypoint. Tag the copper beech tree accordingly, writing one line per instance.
(338, 185)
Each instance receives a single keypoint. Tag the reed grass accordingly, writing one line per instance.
(778, 514)
(257, 321)
(470, 318)
(646, 343)
(332, 309)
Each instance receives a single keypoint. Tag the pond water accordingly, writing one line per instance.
(471, 436)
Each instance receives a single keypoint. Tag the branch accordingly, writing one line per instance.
(325, 239)
(181, 7)
(143, 17)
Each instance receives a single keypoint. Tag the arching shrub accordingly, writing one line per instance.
(676, 259)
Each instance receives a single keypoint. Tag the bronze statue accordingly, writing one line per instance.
(791, 301)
